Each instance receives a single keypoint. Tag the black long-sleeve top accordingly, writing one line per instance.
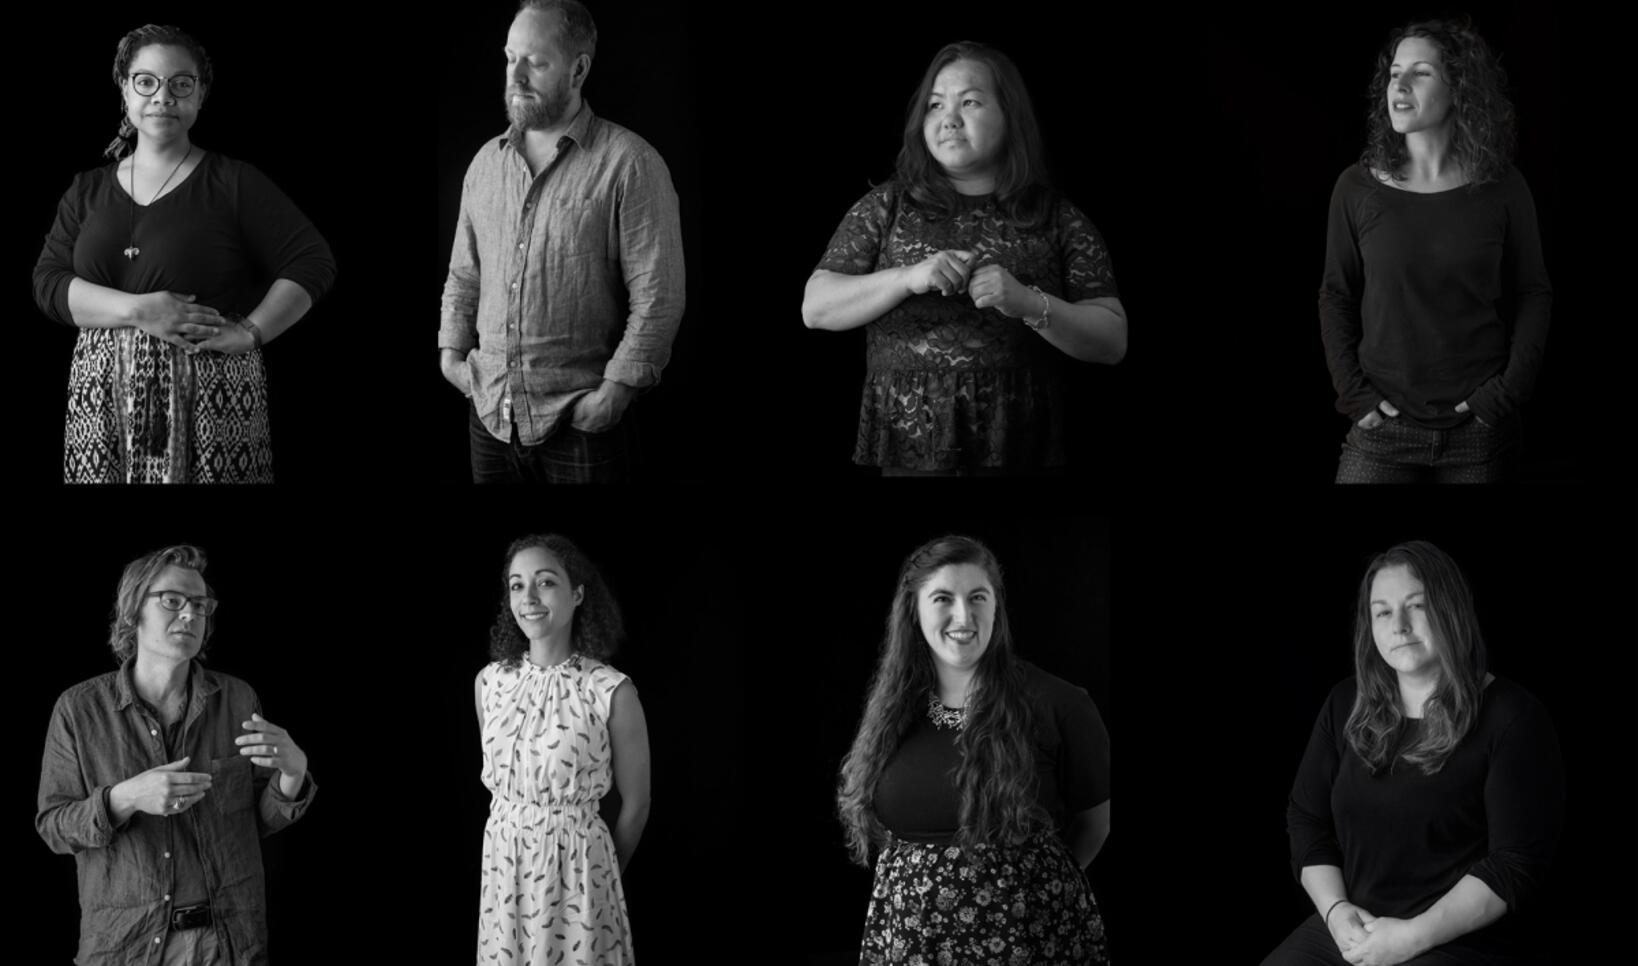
(1402, 838)
(1429, 300)
(223, 235)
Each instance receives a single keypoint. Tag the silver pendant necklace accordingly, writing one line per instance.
(945, 717)
(132, 251)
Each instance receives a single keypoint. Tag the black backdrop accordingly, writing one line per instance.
(1207, 621)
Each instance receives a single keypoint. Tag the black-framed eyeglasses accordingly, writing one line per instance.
(146, 84)
(176, 600)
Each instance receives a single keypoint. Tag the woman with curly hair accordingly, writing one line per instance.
(1428, 804)
(980, 781)
(176, 265)
(975, 279)
(559, 726)
(1435, 301)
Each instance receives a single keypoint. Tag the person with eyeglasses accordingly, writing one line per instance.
(161, 778)
(176, 265)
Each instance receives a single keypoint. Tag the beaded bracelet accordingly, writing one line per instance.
(1046, 310)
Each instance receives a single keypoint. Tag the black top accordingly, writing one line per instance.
(1432, 299)
(1403, 839)
(917, 798)
(223, 235)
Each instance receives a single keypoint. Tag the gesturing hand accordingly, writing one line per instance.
(162, 790)
(1374, 419)
(1387, 941)
(270, 746)
(1347, 924)
(994, 287)
(175, 318)
(942, 272)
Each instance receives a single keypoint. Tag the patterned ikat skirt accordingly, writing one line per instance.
(143, 411)
(1010, 906)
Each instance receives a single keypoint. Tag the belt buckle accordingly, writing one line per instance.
(191, 917)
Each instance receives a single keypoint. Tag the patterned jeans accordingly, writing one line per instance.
(567, 456)
(1399, 451)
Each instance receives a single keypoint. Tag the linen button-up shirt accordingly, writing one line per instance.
(562, 279)
(99, 736)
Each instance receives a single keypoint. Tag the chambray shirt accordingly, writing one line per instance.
(564, 279)
(100, 735)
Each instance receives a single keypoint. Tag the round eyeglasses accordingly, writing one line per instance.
(146, 84)
(176, 600)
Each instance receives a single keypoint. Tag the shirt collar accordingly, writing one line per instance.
(580, 130)
(201, 681)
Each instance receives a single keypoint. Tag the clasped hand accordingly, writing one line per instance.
(1367, 940)
(178, 319)
(990, 286)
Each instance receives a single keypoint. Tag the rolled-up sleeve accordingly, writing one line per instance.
(651, 259)
(55, 269)
(1308, 816)
(1524, 807)
(281, 237)
(72, 815)
(458, 323)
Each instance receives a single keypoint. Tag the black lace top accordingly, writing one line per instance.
(950, 386)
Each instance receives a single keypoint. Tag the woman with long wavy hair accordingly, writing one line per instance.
(560, 727)
(1435, 301)
(979, 782)
(974, 279)
(1428, 804)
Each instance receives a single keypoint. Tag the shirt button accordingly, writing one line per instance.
(167, 855)
(514, 286)
(153, 732)
(520, 246)
(167, 897)
(157, 939)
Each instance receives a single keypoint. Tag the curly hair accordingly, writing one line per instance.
(597, 629)
(996, 777)
(134, 585)
(1450, 710)
(147, 36)
(1482, 128)
(1023, 189)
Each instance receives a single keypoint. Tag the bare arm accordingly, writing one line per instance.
(1326, 891)
(477, 691)
(628, 739)
(1091, 330)
(838, 302)
(176, 318)
(1087, 832)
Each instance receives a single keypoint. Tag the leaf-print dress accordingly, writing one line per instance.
(551, 885)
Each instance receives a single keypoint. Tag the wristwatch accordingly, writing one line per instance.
(243, 321)
(1045, 318)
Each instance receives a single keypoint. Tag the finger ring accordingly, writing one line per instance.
(171, 805)
(275, 749)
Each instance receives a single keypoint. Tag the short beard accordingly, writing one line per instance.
(537, 113)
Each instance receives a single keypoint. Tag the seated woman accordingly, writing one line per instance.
(1429, 801)
(977, 277)
(560, 728)
(161, 779)
(1435, 301)
(176, 264)
(981, 782)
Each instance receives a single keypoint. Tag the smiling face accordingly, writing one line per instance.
(955, 607)
(543, 603)
(162, 117)
(167, 635)
(963, 126)
(542, 78)
(1399, 621)
(1418, 99)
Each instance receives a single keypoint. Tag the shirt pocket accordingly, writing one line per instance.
(578, 228)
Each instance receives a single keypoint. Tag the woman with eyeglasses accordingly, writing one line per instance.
(176, 265)
(162, 777)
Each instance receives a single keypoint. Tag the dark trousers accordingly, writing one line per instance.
(1399, 451)
(567, 456)
(1310, 944)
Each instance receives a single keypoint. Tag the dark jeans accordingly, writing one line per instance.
(1310, 944)
(1399, 451)
(567, 456)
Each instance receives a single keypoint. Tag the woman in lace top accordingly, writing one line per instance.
(978, 278)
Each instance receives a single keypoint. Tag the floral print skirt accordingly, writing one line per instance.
(940, 905)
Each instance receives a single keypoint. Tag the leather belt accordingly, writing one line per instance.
(190, 917)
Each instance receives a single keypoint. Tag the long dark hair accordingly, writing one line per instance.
(1023, 190)
(145, 36)
(597, 629)
(1482, 130)
(1451, 709)
(996, 777)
